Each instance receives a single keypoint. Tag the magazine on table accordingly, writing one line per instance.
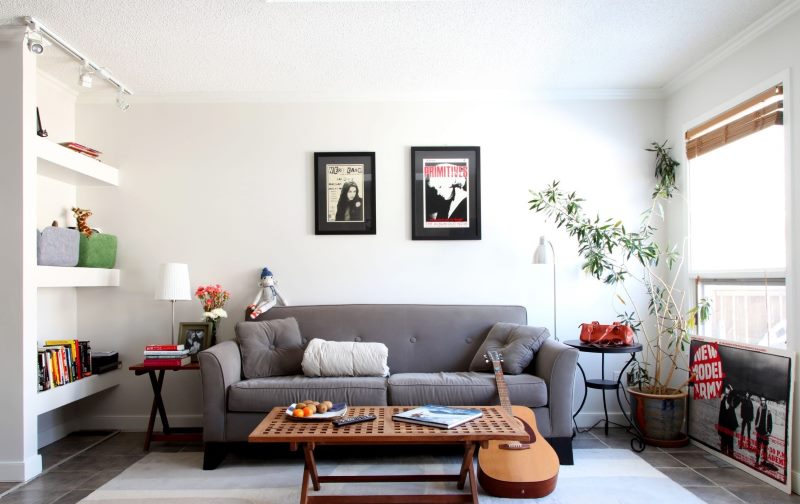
(434, 415)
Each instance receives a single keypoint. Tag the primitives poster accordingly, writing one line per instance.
(740, 406)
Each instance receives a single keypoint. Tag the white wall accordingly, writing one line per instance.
(765, 57)
(228, 189)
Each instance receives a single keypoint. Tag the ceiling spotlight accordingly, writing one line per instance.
(122, 104)
(35, 43)
(85, 77)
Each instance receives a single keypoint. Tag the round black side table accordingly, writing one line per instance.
(603, 384)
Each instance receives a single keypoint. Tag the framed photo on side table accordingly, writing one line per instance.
(195, 336)
(344, 199)
(445, 193)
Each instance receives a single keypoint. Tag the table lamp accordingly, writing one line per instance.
(173, 285)
(545, 254)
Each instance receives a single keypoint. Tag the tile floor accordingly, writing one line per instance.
(82, 462)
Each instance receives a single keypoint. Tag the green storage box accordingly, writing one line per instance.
(97, 251)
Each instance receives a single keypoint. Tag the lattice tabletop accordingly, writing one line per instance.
(495, 424)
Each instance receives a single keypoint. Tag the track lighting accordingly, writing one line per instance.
(36, 43)
(122, 104)
(39, 37)
(86, 75)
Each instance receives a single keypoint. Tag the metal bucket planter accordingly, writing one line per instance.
(660, 417)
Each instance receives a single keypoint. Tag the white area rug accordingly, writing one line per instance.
(598, 476)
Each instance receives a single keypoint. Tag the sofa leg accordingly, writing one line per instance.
(563, 448)
(213, 455)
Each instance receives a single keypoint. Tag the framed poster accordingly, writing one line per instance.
(740, 406)
(344, 201)
(445, 193)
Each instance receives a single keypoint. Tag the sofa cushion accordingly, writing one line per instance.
(464, 389)
(270, 347)
(516, 343)
(263, 394)
(345, 358)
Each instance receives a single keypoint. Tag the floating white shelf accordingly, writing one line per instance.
(54, 276)
(60, 163)
(48, 400)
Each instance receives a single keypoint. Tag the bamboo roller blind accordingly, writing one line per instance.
(751, 116)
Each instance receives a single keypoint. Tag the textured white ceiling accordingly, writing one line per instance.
(388, 49)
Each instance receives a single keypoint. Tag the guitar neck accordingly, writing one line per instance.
(502, 388)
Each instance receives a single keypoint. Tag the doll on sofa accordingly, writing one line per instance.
(267, 297)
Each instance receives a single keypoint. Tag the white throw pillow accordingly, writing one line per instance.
(344, 358)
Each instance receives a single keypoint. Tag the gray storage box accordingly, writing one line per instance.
(57, 246)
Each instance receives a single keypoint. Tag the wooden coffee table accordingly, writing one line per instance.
(495, 424)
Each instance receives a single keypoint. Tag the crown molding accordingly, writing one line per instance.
(57, 83)
(499, 96)
(765, 23)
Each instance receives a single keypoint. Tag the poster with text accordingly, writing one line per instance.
(446, 200)
(344, 186)
(740, 406)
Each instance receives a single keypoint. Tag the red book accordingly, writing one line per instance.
(166, 362)
(172, 348)
(81, 148)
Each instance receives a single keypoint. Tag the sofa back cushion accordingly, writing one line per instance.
(270, 347)
(420, 338)
(516, 343)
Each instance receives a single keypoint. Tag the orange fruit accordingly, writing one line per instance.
(298, 413)
(307, 411)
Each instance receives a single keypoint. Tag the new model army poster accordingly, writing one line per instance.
(740, 405)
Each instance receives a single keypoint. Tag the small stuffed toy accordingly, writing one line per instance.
(267, 297)
(81, 215)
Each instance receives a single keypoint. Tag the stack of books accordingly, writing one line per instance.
(166, 355)
(86, 151)
(63, 361)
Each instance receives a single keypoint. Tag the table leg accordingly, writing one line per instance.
(473, 481)
(311, 464)
(304, 487)
(156, 385)
(638, 438)
(585, 393)
(466, 466)
(162, 412)
(603, 377)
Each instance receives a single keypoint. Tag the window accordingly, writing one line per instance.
(737, 220)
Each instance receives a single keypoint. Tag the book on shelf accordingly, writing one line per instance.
(167, 362)
(81, 148)
(434, 415)
(149, 348)
(62, 361)
(166, 357)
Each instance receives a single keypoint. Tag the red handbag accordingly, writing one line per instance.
(615, 334)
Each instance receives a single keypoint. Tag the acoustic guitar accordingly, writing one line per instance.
(517, 469)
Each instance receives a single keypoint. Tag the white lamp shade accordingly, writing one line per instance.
(543, 253)
(173, 282)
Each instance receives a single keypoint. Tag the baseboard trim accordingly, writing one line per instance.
(22, 470)
(587, 419)
(137, 423)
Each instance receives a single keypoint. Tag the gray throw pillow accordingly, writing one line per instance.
(516, 343)
(270, 347)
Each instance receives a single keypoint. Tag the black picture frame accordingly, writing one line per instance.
(333, 173)
(195, 336)
(458, 173)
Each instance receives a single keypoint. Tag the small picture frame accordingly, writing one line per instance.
(445, 193)
(344, 200)
(195, 336)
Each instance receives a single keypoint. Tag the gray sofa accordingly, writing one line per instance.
(430, 351)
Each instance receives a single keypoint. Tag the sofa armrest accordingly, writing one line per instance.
(556, 363)
(220, 367)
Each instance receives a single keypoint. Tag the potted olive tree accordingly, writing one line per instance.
(619, 256)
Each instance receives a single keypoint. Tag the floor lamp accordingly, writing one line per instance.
(173, 285)
(546, 254)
